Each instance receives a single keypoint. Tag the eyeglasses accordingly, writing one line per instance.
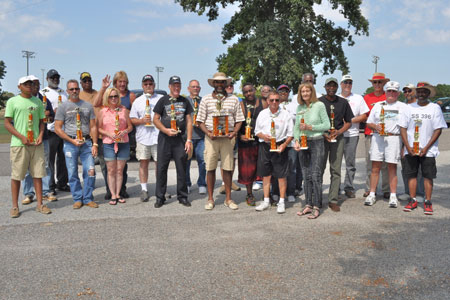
(113, 96)
(348, 82)
(274, 100)
(377, 82)
(405, 91)
(74, 89)
(391, 91)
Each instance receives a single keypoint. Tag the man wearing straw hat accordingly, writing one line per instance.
(219, 147)
(378, 81)
(426, 120)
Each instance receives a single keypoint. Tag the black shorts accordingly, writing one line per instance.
(427, 164)
(272, 163)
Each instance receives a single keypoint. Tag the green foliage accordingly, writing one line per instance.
(368, 91)
(278, 41)
(4, 96)
(442, 90)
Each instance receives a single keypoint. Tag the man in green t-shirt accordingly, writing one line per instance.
(27, 150)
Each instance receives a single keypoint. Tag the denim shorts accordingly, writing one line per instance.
(122, 154)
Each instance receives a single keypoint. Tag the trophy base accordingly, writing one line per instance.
(220, 136)
(333, 141)
(149, 125)
(250, 139)
(303, 148)
(275, 150)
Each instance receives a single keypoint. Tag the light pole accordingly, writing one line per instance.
(28, 54)
(159, 70)
(43, 71)
(375, 61)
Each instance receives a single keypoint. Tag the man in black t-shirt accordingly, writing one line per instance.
(334, 142)
(172, 111)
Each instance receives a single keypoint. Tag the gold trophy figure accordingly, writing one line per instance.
(117, 123)
(332, 129)
(59, 99)
(30, 133)
(44, 103)
(416, 143)
(220, 119)
(273, 139)
(248, 121)
(147, 111)
(194, 121)
(80, 136)
(303, 138)
(382, 124)
(173, 117)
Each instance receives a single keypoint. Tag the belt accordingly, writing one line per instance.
(86, 137)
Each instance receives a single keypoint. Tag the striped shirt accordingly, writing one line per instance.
(230, 106)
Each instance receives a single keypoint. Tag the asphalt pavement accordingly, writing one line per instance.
(134, 251)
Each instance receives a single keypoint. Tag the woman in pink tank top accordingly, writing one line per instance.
(114, 124)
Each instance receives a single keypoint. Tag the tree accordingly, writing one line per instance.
(279, 40)
(442, 90)
(3, 95)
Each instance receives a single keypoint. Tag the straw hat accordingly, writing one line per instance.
(379, 76)
(219, 76)
(426, 85)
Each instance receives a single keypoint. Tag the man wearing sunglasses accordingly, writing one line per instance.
(56, 96)
(351, 136)
(378, 81)
(85, 148)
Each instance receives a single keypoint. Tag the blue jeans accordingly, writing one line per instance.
(311, 161)
(27, 183)
(71, 153)
(199, 149)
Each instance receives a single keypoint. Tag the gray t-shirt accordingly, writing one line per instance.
(67, 113)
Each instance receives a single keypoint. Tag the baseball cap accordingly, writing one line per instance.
(331, 79)
(85, 75)
(148, 77)
(52, 73)
(24, 79)
(392, 86)
(174, 79)
(32, 78)
(346, 77)
(283, 86)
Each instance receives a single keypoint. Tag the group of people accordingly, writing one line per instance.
(279, 142)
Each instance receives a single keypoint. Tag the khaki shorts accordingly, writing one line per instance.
(219, 148)
(27, 158)
(144, 152)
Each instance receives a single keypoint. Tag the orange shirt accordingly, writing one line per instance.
(371, 99)
(109, 123)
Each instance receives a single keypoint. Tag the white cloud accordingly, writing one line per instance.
(446, 12)
(437, 36)
(328, 12)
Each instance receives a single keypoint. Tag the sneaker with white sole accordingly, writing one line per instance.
(280, 208)
(27, 200)
(263, 206)
(202, 190)
(291, 199)
(370, 200)
(393, 202)
(257, 186)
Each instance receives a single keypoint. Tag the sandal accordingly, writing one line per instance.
(121, 200)
(113, 202)
(307, 210)
(315, 213)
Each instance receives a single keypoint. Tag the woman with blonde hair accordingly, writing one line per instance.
(315, 122)
(114, 124)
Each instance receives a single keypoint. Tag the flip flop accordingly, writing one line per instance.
(121, 200)
(113, 202)
(307, 210)
(314, 214)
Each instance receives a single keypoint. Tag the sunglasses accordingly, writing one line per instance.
(348, 82)
(86, 80)
(74, 89)
(377, 82)
(405, 91)
(220, 81)
(274, 100)
(113, 96)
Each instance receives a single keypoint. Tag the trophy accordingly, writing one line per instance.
(303, 138)
(195, 110)
(59, 99)
(147, 111)
(44, 102)
(30, 133)
(416, 149)
(173, 118)
(220, 120)
(117, 123)
(332, 129)
(79, 131)
(273, 140)
(382, 124)
(248, 127)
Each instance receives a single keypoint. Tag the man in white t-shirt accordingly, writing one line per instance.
(351, 136)
(386, 142)
(146, 136)
(422, 124)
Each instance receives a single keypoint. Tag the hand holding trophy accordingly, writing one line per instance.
(148, 108)
(248, 121)
(273, 139)
(173, 118)
(416, 143)
(332, 129)
(80, 137)
(220, 119)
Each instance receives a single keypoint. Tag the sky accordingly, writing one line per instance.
(411, 38)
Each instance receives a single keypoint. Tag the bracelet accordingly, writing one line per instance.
(95, 144)
(190, 141)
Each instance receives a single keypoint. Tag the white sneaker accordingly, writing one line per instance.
(189, 189)
(403, 197)
(262, 206)
(393, 201)
(257, 186)
(291, 199)
(202, 190)
(370, 200)
(275, 198)
(280, 208)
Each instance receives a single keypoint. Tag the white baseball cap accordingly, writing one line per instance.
(392, 86)
(346, 77)
(24, 79)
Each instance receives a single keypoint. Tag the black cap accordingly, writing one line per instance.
(174, 79)
(52, 73)
(148, 77)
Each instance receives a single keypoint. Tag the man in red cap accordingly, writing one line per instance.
(378, 81)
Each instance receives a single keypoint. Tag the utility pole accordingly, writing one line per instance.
(375, 61)
(28, 54)
(43, 71)
(159, 70)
